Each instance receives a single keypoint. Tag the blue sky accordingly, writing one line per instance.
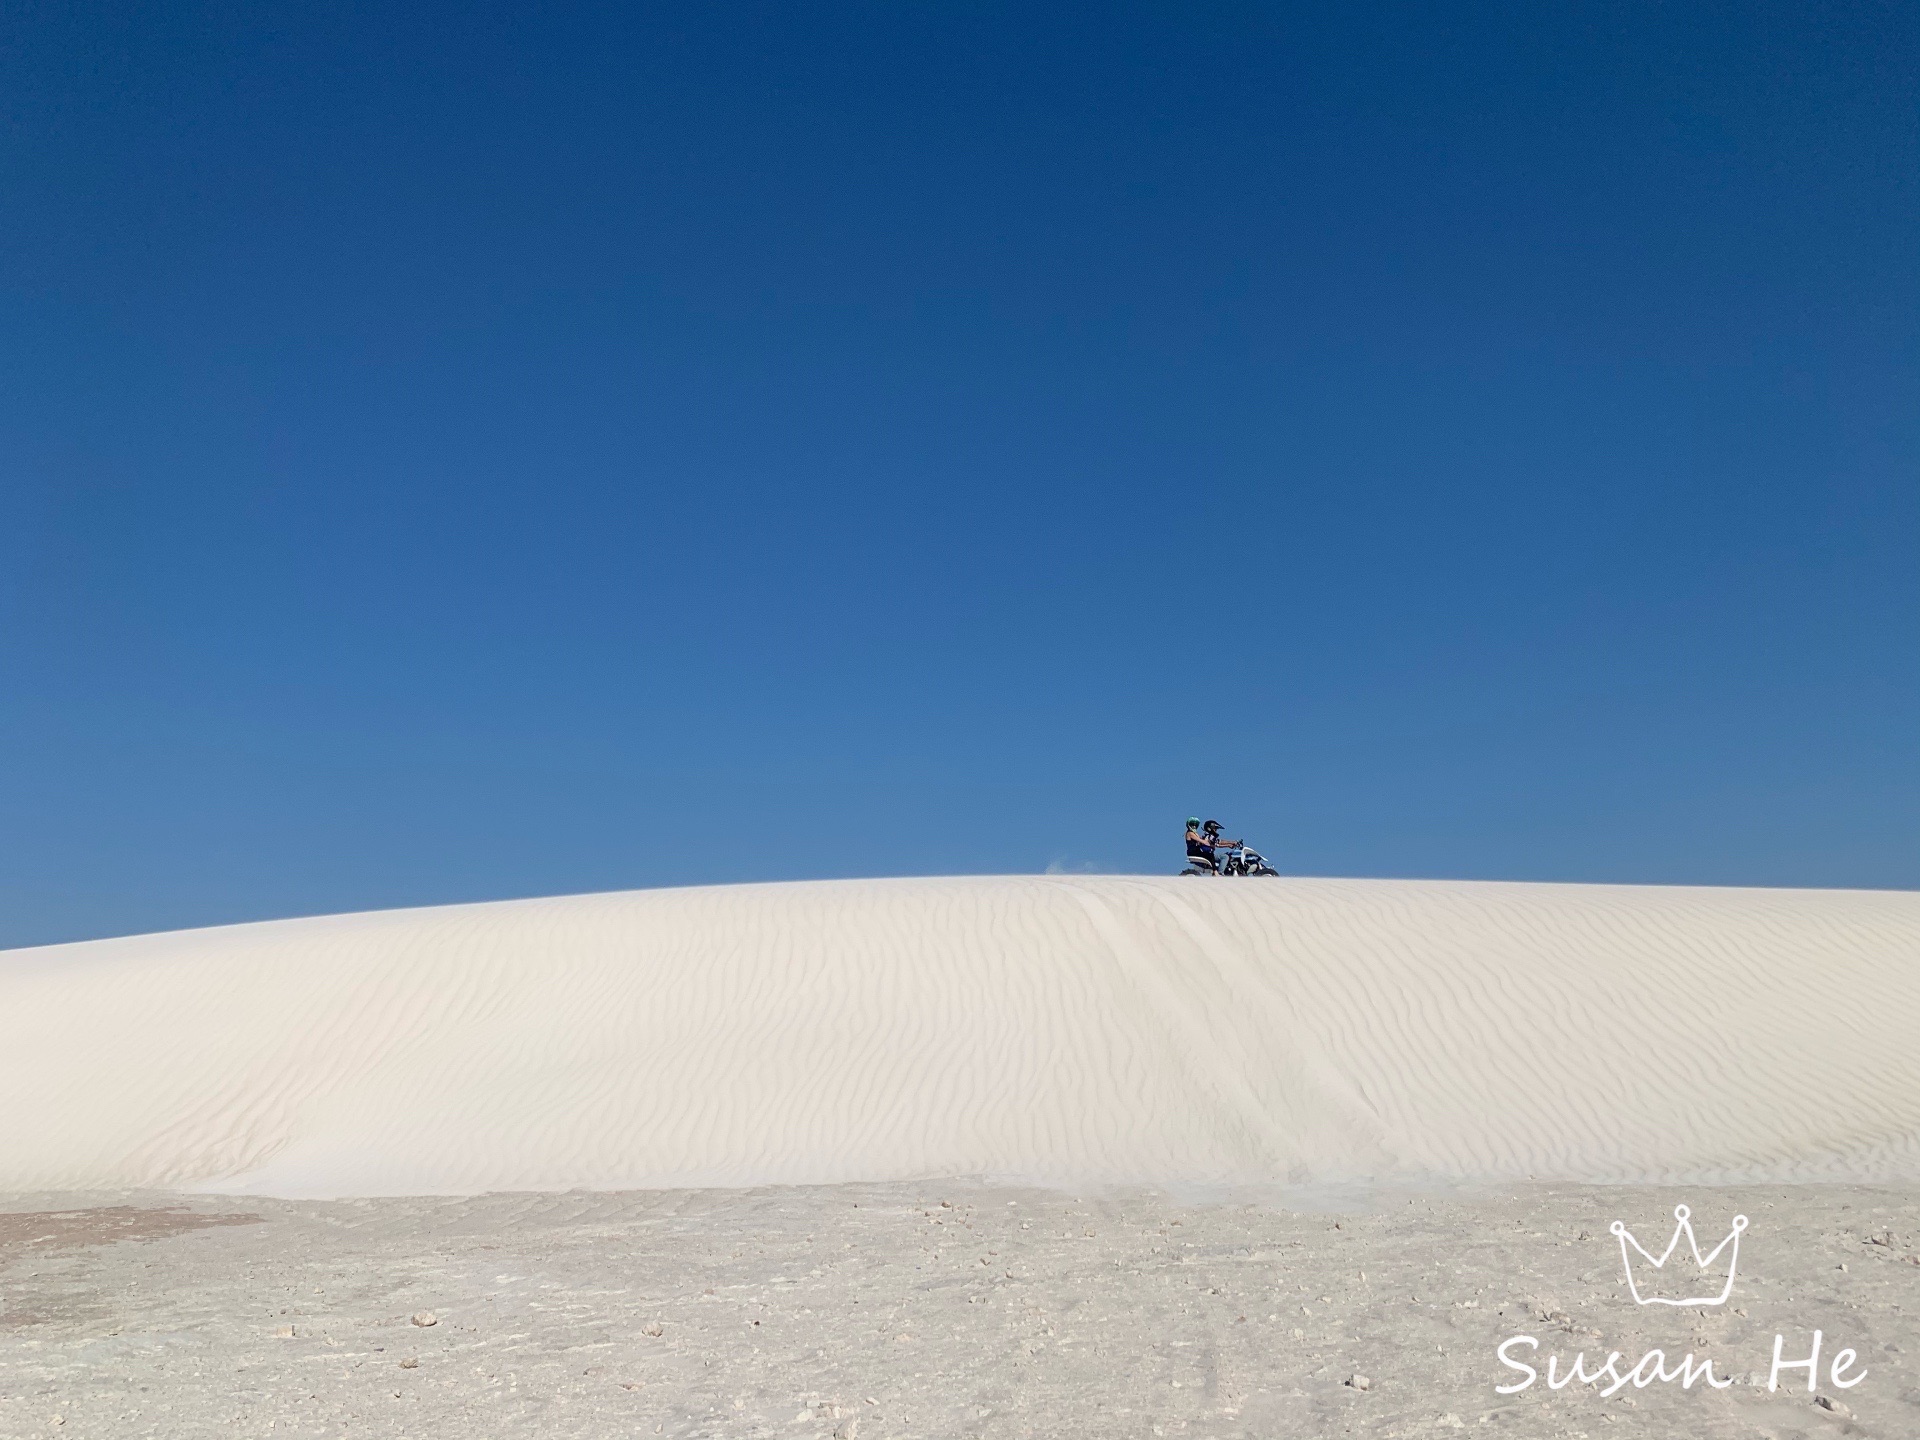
(453, 453)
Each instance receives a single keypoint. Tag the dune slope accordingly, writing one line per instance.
(1063, 1030)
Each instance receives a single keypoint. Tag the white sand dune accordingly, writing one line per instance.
(1069, 1031)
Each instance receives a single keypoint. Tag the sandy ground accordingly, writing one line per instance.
(1377, 1066)
(1067, 1031)
(936, 1309)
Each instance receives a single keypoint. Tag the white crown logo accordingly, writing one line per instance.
(1705, 1262)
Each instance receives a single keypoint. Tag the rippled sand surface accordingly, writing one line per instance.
(1070, 1031)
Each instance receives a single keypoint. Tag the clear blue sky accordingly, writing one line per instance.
(458, 452)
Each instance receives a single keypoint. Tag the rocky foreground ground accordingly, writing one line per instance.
(948, 1309)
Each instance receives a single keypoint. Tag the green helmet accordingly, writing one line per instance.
(1193, 822)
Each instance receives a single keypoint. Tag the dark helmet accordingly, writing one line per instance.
(1212, 827)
